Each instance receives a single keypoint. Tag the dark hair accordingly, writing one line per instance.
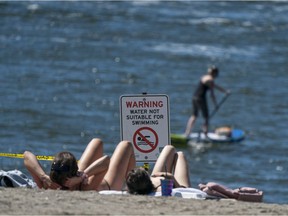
(213, 71)
(138, 182)
(63, 166)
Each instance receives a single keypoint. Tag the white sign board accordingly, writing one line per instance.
(145, 122)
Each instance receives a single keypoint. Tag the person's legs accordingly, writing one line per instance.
(93, 151)
(181, 172)
(165, 160)
(190, 125)
(205, 113)
(192, 119)
(122, 161)
(205, 126)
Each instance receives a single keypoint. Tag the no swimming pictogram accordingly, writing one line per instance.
(145, 140)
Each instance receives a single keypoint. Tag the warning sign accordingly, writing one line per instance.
(145, 122)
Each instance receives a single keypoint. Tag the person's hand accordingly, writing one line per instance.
(80, 178)
(84, 178)
(47, 183)
(73, 181)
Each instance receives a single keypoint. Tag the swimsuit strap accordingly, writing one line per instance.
(158, 186)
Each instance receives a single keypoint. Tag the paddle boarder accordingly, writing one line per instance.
(199, 101)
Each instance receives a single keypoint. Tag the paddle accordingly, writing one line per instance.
(213, 113)
(218, 105)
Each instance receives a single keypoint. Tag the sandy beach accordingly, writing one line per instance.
(23, 201)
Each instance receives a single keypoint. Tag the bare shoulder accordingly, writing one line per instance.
(207, 79)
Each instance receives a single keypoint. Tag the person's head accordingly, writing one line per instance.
(213, 71)
(63, 166)
(138, 182)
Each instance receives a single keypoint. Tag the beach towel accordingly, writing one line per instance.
(15, 178)
(187, 193)
(249, 194)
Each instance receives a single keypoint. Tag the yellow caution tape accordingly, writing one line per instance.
(39, 157)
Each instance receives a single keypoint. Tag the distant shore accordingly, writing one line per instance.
(25, 201)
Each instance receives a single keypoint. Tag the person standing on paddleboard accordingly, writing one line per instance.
(199, 101)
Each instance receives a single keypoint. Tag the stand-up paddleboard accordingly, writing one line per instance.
(233, 136)
(225, 134)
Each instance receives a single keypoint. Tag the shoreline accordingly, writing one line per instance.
(26, 201)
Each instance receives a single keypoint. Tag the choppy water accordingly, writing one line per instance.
(64, 66)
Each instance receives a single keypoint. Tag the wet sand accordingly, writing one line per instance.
(25, 201)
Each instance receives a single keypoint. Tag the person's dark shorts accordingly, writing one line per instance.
(200, 104)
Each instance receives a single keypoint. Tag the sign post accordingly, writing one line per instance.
(145, 122)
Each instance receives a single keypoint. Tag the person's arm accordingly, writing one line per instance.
(81, 178)
(98, 166)
(167, 175)
(221, 89)
(39, 176)
(212, 85)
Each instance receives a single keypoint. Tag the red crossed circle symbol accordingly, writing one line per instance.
(139, 134)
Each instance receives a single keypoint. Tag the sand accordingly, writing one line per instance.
(50, 202)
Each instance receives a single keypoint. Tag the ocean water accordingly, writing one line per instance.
(64, 66)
